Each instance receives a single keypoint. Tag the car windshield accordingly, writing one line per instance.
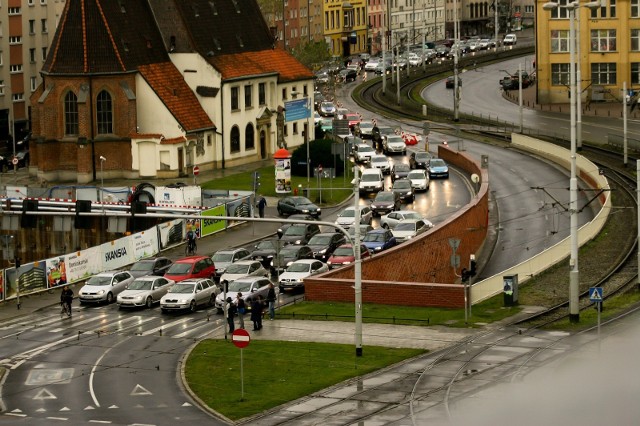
(405, 227)
(437, 162)
(386, 131)
(320, 240)
(240, 286)
(348, 213)
(370, 178)
(379, 160)
(402, 184)
(179, 268)
(298, 201)
(99, 280)
(365, 148)
(416, 175)
(412, 215)
(327, 105)
(235, 268)
(142, 267)
(299, 267)
(266, 245)
(374, 237)
(140, 285)
(343, 251)
(366, 125)
(422, 156)
(402, 168)
(182, 288)
(295, 230)
(222, 257)
(385, 196)
(395, 139)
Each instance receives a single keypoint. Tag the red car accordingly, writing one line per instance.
(191, 267)
(343, 255)
(411, 138)
(353, 118)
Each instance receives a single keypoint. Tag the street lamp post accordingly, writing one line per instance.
(357, 262)
(574, 276)
(102, 160)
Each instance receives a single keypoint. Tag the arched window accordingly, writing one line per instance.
(104, 112)
(249, 141)
(235, 139)
(71, 114)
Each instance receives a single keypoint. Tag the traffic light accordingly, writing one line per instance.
(29, 221)
(82, 222)
(472, 265)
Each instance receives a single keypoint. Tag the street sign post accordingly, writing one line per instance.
(595, 295)
(196, 171)
(241, 338)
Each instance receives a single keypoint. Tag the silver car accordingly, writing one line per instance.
(105, 287)
(225, 257)
(144, 291)
(244, 268)
(189, 294)
(250, 287)
(390, 220)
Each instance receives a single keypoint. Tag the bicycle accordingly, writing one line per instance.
(190, 249)
(66, 309)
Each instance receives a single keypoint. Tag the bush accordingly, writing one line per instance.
(320, 153)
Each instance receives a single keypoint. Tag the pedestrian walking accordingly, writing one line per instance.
(256, 313)
(241, 310)
(262, 203)
(231, 313)
(271, 300)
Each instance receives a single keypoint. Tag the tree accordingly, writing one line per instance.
(314, 52)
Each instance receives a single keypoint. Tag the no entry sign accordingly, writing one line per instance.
(241, 338)
(196, 170)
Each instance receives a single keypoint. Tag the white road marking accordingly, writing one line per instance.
(100, 421)
(191, 330)
(165, 326)
(65, 409)
(15, 414)
(113, 406)
(57, 418)
(139, 390)
(57, 330)
(44, 394)
(89, 407)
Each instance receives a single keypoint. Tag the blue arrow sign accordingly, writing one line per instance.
(298, 109)
(595, 294)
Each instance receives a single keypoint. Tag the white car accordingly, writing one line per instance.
(189, 294)
(381, 162)
(371, 181)
(250, 287)
(372, 64)
(363, 152)
(419, 180)
(415, 60)
(317, 118)
(364, 129)
(390, 220)
(293, 277)
(407, 229)
(105, 287)
(144, 291)
(393, 144)
(225, 257)
(347, 217)
(243, 268)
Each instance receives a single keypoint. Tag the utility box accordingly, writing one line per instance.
(510, 289)
(178, 196)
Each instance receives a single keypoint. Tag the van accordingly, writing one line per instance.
(510, 40)
(371, 181)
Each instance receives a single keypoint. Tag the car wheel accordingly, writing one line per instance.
(385, 226)
(192, 306)
(109, 298)
(149, 302)
(280, 212)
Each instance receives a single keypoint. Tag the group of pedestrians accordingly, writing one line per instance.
(238, 308)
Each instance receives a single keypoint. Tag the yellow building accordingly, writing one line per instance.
(609, 38)
(345, 27)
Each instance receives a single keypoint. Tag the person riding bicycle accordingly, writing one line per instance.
(191, 241)
(66, 297)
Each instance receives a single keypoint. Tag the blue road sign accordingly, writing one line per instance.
(299, 109)
(595, 294)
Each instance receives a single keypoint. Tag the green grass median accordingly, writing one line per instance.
(276, 372)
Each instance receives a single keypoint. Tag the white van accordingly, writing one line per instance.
(371, 181)
(510, 40)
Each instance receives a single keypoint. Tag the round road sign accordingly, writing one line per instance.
(14, 161)
(196, 170)
(240, 338)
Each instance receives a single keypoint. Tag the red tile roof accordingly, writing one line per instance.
(262, 62)
(167, 82)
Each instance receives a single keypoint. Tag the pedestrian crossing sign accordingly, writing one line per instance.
(595, 294)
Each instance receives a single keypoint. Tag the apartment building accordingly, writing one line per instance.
(26, 31)
(608, 38)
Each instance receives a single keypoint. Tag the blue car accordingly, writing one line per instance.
(438, 168)
(378, 240)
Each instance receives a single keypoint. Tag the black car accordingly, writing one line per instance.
(283, 228)
(297, 205)
(399, 171)
(325, 243)
(385, 202)
(299, 233)
(404, 189)
(419, 160)
(151, 266)
(289, 254)
(348, 75)
(451, 82)
(265, 251)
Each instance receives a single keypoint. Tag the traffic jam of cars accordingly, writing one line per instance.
(395, 172)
